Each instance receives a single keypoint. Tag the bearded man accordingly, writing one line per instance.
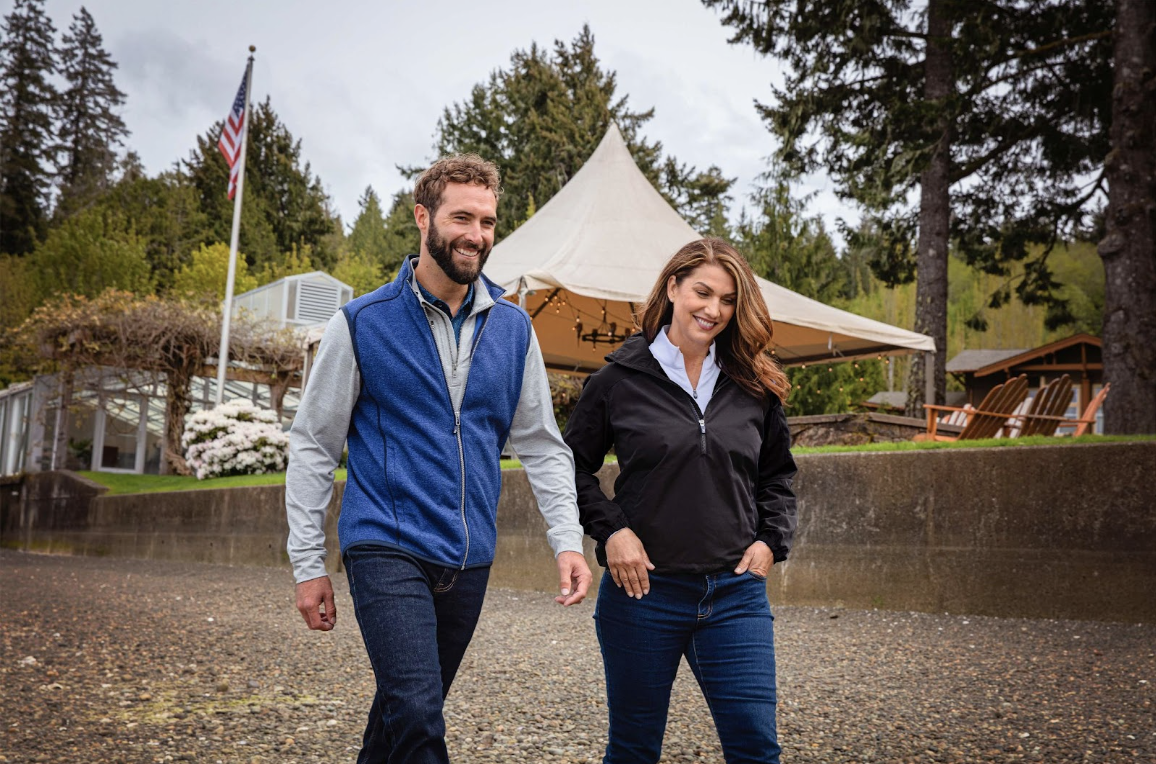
(425, 377)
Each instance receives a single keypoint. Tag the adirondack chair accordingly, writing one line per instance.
(1047, 409)
(985, 420)
(1088, 420)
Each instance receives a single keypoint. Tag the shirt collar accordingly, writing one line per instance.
(467, 304)
(440, 304)
(669, 355)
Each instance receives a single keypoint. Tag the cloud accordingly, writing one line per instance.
(176, 76)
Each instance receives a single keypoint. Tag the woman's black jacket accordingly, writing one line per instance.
(697, 488)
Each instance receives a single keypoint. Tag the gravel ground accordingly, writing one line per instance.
(138, 661)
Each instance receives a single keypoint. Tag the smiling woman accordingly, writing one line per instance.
(703, 505)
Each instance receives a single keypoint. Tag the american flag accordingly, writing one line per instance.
(231, 136)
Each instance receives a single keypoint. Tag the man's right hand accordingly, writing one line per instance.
(628, 563)
(315, 601)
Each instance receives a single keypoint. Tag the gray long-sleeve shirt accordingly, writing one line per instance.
(321, 426)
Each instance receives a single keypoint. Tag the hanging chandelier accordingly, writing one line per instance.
(604, 334)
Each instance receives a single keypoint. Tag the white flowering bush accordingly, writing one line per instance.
(235, 439)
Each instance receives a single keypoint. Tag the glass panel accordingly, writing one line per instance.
(121, 428)
(81, 432)
(154, 435)
(50, 414)
(16, 433)
(3, 437)
(235, 390)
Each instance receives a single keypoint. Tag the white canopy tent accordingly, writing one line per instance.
(591, 254)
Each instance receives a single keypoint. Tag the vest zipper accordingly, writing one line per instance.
(462, 467)
(458, 434)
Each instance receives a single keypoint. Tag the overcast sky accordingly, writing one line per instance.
(362, 83)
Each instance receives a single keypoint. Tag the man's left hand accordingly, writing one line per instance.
(575, 576)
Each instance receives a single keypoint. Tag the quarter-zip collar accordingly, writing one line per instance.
(635, 354)
(485, 291)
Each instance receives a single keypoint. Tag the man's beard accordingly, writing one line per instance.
(443, 254)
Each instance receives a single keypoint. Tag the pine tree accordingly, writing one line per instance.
(285, 205)
(786, 246)
(27, 102)
(995, 112)
(368, 237)
(165, 210)
(90, 127)
(402, 236)
(543, 116)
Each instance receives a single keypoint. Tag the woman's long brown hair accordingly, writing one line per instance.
(744, 345)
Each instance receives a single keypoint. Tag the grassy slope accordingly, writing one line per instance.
(120, 483)
(1035, 440)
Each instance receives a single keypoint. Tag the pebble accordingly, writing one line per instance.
(158, 681)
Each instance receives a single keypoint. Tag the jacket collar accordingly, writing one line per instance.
(486, 292)
(635, 354)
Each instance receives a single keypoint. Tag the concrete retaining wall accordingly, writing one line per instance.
(1064, 532)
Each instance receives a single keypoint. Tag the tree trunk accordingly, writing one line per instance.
(63, 421)
(1129, 247)
(277, 390)
(176, 407)
(934, 216)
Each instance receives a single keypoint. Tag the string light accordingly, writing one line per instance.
(604, 334)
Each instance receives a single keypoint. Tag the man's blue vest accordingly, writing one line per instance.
(417, 480)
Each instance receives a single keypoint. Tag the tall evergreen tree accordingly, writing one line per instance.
(788, 247)
(996, 112)
(1129, 247)
(90, 127)
(543, 116)
(402, 236)
(285, 205)
(27, 103)
(792, 249)
(165, 210)
(368, 237)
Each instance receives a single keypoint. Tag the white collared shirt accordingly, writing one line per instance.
(671, 360)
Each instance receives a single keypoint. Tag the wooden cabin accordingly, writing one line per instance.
(1079, 357)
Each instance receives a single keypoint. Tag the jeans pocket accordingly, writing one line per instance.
(446, 581)
(755, 575)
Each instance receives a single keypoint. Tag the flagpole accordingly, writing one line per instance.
(223, 352)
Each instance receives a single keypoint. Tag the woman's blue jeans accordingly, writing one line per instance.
(416, 619)
(722, 624)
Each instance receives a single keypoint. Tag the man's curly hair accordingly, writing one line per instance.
(459, 168)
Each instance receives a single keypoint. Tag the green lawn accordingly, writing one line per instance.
(119, 483)
(1034, 440)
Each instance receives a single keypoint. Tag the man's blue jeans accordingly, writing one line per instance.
(722, 624)
(416, 619)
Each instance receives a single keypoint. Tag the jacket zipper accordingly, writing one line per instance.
(701, 417)
(458, 434)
